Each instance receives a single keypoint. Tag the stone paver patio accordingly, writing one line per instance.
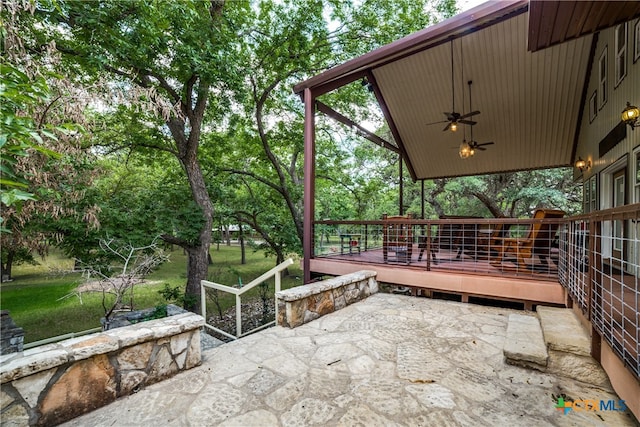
(390, 360)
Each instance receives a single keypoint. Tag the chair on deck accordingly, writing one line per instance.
(538, 241)
(489, 245)
(397, 238)
(451, 236)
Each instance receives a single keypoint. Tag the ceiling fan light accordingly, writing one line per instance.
(454, 126)
(465, 150)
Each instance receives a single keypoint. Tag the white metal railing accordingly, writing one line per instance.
(275, 271)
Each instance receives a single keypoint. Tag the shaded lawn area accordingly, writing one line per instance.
(42, 302)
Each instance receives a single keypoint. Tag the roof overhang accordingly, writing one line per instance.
(531, 102)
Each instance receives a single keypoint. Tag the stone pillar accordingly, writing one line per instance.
(11, 336)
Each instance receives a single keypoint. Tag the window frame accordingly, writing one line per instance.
(602, 79)
(593, 106)
(636, 38)
(621, 53)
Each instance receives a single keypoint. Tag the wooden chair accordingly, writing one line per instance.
(538, 241)
(397, 238)
(452, 236)
(488, 246)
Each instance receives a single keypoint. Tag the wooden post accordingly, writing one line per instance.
(401, 189)
(309, 182)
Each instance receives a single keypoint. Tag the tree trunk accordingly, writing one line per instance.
(198, 253)
(243, 258)
(490, 203)
(5, 268)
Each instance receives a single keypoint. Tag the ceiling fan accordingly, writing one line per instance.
(468, 148)
(454, 118)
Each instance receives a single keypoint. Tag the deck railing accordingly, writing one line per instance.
(596, 257)
(600, 268)
(472, 245)
(238, 292)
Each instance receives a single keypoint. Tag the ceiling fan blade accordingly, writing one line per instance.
(473, 113)
(486, 143)
(435, 123)
(467, 122)
(477, 147)
(446, 128)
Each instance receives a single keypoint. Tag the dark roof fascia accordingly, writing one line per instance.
(585, 95)
(458, 25)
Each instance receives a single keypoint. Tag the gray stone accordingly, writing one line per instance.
(446, 381)
(563, 331)
(131, 380)
(362, 415)
(287, 394)
(419, 363)
(259, 418)
(432, 395)
(30, 387)
(5, 399)
(524, 344)
(308, 412)
(16, 415)
(581, 368)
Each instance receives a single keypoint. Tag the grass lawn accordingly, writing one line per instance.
(44, 305)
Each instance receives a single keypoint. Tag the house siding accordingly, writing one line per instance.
(608, 116)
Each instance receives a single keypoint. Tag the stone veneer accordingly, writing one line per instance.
(302, 304)
(11, 336)
(50, 384)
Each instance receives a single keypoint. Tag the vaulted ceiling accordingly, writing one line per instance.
(528, 83)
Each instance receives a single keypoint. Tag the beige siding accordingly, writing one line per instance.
(609, 116)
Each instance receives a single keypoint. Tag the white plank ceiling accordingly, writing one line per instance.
(529, 102)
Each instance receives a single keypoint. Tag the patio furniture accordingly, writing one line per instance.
(538, 241)
(349, 242)
(489, 240)
(461, 237)
(397, 238)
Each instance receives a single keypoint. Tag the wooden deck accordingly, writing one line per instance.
(453, 273)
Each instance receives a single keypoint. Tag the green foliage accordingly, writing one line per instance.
(45, 306)
(18, 131)
(170, 294)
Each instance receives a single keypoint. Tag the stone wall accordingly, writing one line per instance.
(302, 304)
(50, 384)
(11, 336)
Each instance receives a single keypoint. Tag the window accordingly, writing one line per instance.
(590, 194)
(593, 107)
(586, 196)
(636, 44)
(621, 52)
(602, 79)
(593, 181)
(636, 181)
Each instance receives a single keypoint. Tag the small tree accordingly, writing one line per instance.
(127, 265)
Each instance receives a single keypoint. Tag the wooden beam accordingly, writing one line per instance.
(309, 182)
(330, 112)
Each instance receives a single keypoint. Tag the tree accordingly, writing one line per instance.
(287, 42)
(129, 265)
(44, 168)
(172, 63)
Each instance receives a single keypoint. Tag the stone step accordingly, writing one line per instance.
(569, 347)
(524, 344)
(562, 331)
